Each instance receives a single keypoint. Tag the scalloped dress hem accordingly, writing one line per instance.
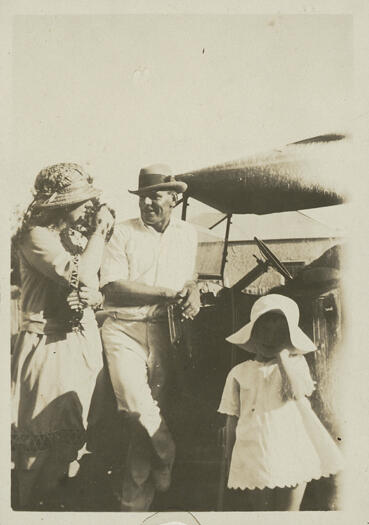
(283, 485)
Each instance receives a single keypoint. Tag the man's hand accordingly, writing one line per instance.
(189, 300)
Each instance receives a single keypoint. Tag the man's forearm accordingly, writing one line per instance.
(127, 293)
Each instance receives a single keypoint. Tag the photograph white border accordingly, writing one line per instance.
(356, 501)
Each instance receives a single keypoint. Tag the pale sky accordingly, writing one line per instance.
(116, 93)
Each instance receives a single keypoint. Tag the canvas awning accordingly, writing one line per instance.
(306, 174)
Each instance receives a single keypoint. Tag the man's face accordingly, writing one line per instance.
(156, 208)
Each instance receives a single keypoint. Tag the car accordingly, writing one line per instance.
(285, 179)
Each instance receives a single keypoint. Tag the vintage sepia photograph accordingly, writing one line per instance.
(180, 211)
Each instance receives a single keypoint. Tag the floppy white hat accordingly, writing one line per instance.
(274, 302)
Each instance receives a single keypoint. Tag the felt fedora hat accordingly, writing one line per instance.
(158, 177)
(276, 303)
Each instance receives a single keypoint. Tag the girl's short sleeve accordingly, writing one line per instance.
(230, 402)
(44, 251)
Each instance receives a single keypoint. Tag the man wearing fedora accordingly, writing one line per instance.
(149, 264)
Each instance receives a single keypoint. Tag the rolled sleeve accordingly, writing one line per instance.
(43, 250)
(193, 255)
(115, 262)
(230, 402)
(188, 262)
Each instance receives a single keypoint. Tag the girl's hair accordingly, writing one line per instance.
(50, 180)
(34, 216)
(31, 217)
(287, 390)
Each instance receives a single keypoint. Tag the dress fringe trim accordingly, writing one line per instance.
(35, 442)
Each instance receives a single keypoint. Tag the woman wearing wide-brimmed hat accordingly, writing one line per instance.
(58, 352)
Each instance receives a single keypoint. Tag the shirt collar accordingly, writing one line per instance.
(155, 232)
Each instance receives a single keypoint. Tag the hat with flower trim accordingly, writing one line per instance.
(63, 184)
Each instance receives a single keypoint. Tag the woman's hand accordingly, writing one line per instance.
(284, 354)
(104, 220)
(90, 296)
(84, 297)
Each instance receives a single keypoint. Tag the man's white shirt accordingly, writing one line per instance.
(138, 253)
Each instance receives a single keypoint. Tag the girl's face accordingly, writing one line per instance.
(270, 334)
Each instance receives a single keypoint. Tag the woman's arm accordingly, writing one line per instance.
(44, 251)
(91, 258)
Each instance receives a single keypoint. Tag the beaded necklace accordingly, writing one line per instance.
(74, 242)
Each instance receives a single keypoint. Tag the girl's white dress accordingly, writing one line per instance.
(278, 443)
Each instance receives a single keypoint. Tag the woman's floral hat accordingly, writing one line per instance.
(276, 303)
(63, 184)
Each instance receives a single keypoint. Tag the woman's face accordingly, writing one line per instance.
(77, 211)
(270, 334)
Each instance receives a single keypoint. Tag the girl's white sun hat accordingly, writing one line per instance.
(276, 303)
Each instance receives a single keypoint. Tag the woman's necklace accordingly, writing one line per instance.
(74, 242)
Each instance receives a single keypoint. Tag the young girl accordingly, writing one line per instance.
(278, 444)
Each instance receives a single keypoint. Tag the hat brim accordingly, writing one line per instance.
(300, 341)
(179, 187)
(62, 200)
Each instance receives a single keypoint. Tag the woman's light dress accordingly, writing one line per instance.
(54, 369)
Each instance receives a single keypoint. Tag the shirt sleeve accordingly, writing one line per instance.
(115, 264)
(192, 254)
(230, 402)
(43, 250)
